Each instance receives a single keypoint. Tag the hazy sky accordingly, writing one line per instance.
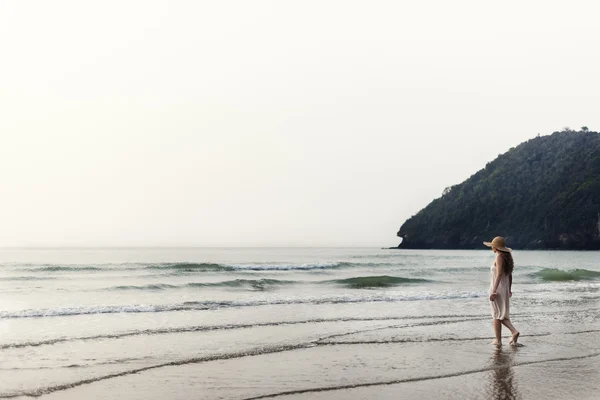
(256, 123)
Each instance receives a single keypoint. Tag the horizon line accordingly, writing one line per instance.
(187, 247)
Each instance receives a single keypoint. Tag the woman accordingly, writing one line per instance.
(500, 289)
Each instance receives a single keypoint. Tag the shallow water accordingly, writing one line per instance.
(245, 323)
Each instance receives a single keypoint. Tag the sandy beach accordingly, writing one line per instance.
(448, 358)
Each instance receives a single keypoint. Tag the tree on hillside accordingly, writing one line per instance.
(584, 129)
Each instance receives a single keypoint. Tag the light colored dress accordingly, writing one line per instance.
(500, 306)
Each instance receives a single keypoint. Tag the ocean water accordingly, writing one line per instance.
(298, 322)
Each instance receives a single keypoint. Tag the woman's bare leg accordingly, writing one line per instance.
(515, 333)
(506, 322)
(497, 332)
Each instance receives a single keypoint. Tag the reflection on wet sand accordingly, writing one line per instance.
(502, 384)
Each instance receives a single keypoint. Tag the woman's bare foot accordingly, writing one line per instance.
(496, 343)
(514, 339)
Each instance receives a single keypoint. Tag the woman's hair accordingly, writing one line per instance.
(509, 264)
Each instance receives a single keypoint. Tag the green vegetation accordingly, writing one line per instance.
(542, 194)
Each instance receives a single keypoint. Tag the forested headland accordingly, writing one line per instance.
(542, 194)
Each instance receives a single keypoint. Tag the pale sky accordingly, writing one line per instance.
(271, 123)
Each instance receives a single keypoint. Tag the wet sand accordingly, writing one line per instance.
(449, 358)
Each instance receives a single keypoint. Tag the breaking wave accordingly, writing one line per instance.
(60, 268)
(361, 282)
(191, 267)
(559, 275)
(256, 284)
(213, 305)
(364, 282)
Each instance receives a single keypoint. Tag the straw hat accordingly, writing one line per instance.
(499, 244)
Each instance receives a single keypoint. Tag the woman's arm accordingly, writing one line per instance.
(499, 268)
(510, 284)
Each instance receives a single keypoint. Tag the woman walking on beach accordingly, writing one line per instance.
(500, 289)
